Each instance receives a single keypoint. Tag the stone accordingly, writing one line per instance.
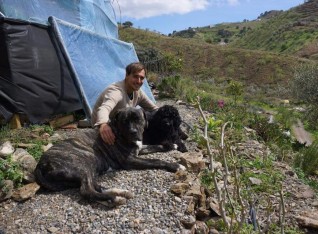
(179, 188)
(255, 181)
(200, 228)
(214, 206)
(188, 221)
(52, 229)
(202, 214)
(47, 147)
(181, 175)
(308, 219)
(56, 137)
(193, 162)
(6, 149)
(213, 231)
(6, 188)
(27, 163)
(25, 192)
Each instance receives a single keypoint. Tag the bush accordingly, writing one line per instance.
(304, 86)
(10, 171)
(307, 159)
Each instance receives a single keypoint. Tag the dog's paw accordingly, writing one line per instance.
(139, 144)
(175, 146)
(181, 167)
(128, 195)
(119, 201)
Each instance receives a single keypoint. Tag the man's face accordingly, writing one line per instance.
(135, 80)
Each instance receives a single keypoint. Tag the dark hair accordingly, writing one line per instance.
(134, 68)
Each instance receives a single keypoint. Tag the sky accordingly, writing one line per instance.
(165, 16)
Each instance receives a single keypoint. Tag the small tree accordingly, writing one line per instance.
(128, 24)
(304, 87)
(235, 89)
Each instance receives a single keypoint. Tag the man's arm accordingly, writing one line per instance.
(105, 106)
(145, 102)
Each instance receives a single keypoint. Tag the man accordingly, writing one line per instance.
(125, 93)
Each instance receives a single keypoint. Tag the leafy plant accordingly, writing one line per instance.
(10, 171)
(235, 89)
(36, 151)
(307, 159)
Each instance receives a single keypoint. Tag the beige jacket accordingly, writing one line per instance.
(115, 97)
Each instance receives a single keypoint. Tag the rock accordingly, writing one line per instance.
(179, 188)
(191, 207)
(56, 137)
(47, 147)
(213, 231)
(255, 181)
(200, 228)
(25, 192)
(178, 199)
(181, 175)
(6, 188)
(157, 231)
(202, 214)
(188, 221)
(27, 163)
(6, 149)
(305, 192)
(193, 162)
(308, 220)
(186, 231)
(195, 190)
(45, 136)
(214, 206)
(52, 229)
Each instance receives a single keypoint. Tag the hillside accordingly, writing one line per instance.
(292, 32)
(263, 73)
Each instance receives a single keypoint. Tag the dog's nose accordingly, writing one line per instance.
(133, 131)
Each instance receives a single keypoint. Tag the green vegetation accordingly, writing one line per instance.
(304, 87)
(290, 32)
(33, 138)
(10, 171)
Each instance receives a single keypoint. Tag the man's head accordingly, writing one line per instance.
(135, 75)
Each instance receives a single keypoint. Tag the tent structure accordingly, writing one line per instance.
(58, 55)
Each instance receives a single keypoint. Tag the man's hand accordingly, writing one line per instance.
(107, 134)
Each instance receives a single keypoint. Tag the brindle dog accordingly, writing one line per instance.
(77, 162)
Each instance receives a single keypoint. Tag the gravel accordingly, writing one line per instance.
(153, 209)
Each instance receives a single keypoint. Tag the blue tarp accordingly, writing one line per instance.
(49, 67)
(95, 61)
(95, 15)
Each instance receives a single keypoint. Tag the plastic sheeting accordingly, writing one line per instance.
(95, 15)
(49, 68)
(34, 78)
(94, 61)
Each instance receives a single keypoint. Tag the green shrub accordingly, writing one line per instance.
(268, 132)
(307, 159)
(36, 151)
(10, 171)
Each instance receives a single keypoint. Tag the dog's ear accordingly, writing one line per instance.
(116, 117)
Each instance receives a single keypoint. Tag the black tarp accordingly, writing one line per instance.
(34, 79)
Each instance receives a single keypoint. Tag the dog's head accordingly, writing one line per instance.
(129, 123)
(167, 117)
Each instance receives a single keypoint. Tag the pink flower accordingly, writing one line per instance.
(221, 103)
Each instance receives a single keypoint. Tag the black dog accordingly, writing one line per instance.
(164, 129)
(76, 162)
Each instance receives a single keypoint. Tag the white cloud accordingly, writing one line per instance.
(221, 3)
(142, 8)
(233, 2)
